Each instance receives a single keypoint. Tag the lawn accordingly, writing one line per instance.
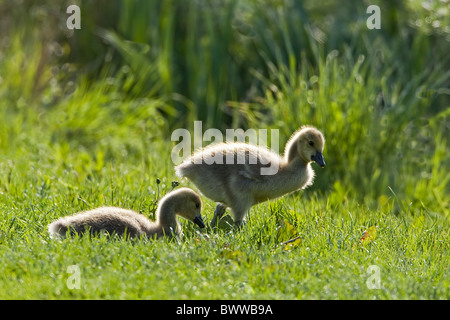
(329, 261)
(87, 118)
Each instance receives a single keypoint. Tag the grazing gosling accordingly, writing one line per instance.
(184, 202)
(241, 184)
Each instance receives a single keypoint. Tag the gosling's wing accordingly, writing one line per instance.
(225, 159)
(260, 162)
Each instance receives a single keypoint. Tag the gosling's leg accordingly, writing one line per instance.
(218, 213)
(239, 214)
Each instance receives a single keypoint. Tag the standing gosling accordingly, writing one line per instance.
(184, 202)
(241, 183)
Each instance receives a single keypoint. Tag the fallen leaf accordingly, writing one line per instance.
(286, 231)
(292, 243)
(368, 236)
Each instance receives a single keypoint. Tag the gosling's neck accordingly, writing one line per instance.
(295, 172)
(166, 217)
(292, 158)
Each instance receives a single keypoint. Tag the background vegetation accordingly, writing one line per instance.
(87, 117)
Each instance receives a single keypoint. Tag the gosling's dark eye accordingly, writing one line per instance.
(311, 143)
(197, 205)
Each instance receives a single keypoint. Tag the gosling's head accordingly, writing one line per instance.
(307, 143)
(189, 205)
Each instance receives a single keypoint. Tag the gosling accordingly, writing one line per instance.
(184, 202)
(243, 183)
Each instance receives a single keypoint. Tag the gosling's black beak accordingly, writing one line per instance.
(318, 158)
(199, 221)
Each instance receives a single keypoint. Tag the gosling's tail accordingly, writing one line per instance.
(181, 170)
(57, 229)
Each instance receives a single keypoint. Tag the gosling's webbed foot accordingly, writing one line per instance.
(240, 224)
(218, 213)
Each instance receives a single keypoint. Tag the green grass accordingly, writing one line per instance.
(411, 245)
(87, 118)
(328, 263)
